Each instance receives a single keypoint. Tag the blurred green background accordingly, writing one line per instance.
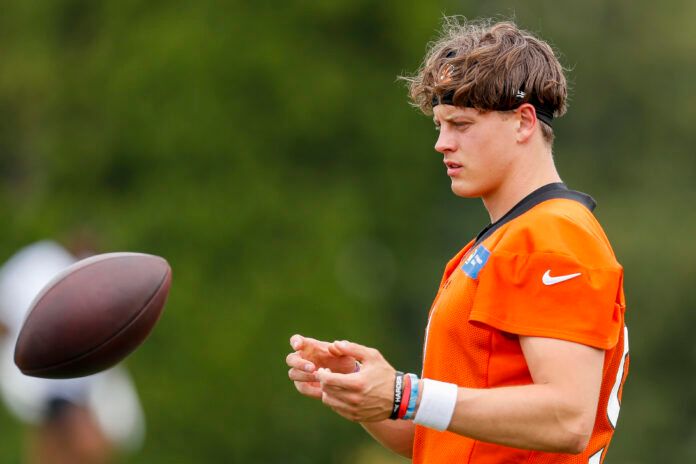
(266, 149)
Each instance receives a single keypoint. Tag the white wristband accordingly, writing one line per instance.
(436, 405)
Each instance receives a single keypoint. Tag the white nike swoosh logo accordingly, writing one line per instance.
(548, 280)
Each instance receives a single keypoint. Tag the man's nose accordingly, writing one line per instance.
(445, 142)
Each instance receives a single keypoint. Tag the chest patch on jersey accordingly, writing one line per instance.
(475, 262)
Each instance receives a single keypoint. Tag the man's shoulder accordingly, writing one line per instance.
(559, 226)
(559, 215)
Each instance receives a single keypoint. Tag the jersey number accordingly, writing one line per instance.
(614, 405)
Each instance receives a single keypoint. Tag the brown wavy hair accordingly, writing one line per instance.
(484, 65)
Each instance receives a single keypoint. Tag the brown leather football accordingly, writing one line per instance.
(92, 315)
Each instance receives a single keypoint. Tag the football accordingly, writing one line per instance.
(92, 315)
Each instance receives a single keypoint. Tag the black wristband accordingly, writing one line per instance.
(398, 385)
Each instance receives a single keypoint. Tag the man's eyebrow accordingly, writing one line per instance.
(449, 118)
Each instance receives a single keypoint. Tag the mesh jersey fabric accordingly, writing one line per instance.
(495, 291)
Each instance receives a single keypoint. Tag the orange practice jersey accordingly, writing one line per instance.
(545, 270)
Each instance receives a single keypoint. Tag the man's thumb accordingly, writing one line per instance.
(357, 351)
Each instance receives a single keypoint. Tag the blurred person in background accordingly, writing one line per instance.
(525, 351)
(69, 421)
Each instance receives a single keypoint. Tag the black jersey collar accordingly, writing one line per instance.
(547, 192)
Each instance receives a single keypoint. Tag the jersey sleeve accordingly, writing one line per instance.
(565, 286)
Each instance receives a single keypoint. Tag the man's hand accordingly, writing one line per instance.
(311, 354)
(364, 396)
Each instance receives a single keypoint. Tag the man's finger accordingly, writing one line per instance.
(312, 390)
(350, 398)
(357, 351)
(300, 342)
(342, 381)
(298, 362)
(332, 401)
(300, 376)
(335, 351)
(309, 346)
(296, 341)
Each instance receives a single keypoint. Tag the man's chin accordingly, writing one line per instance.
(465, 191)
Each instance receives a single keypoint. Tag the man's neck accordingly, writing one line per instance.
(520, 184)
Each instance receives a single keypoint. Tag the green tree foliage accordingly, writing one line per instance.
(266, 149)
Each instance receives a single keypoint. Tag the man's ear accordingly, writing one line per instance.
(526, 116)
